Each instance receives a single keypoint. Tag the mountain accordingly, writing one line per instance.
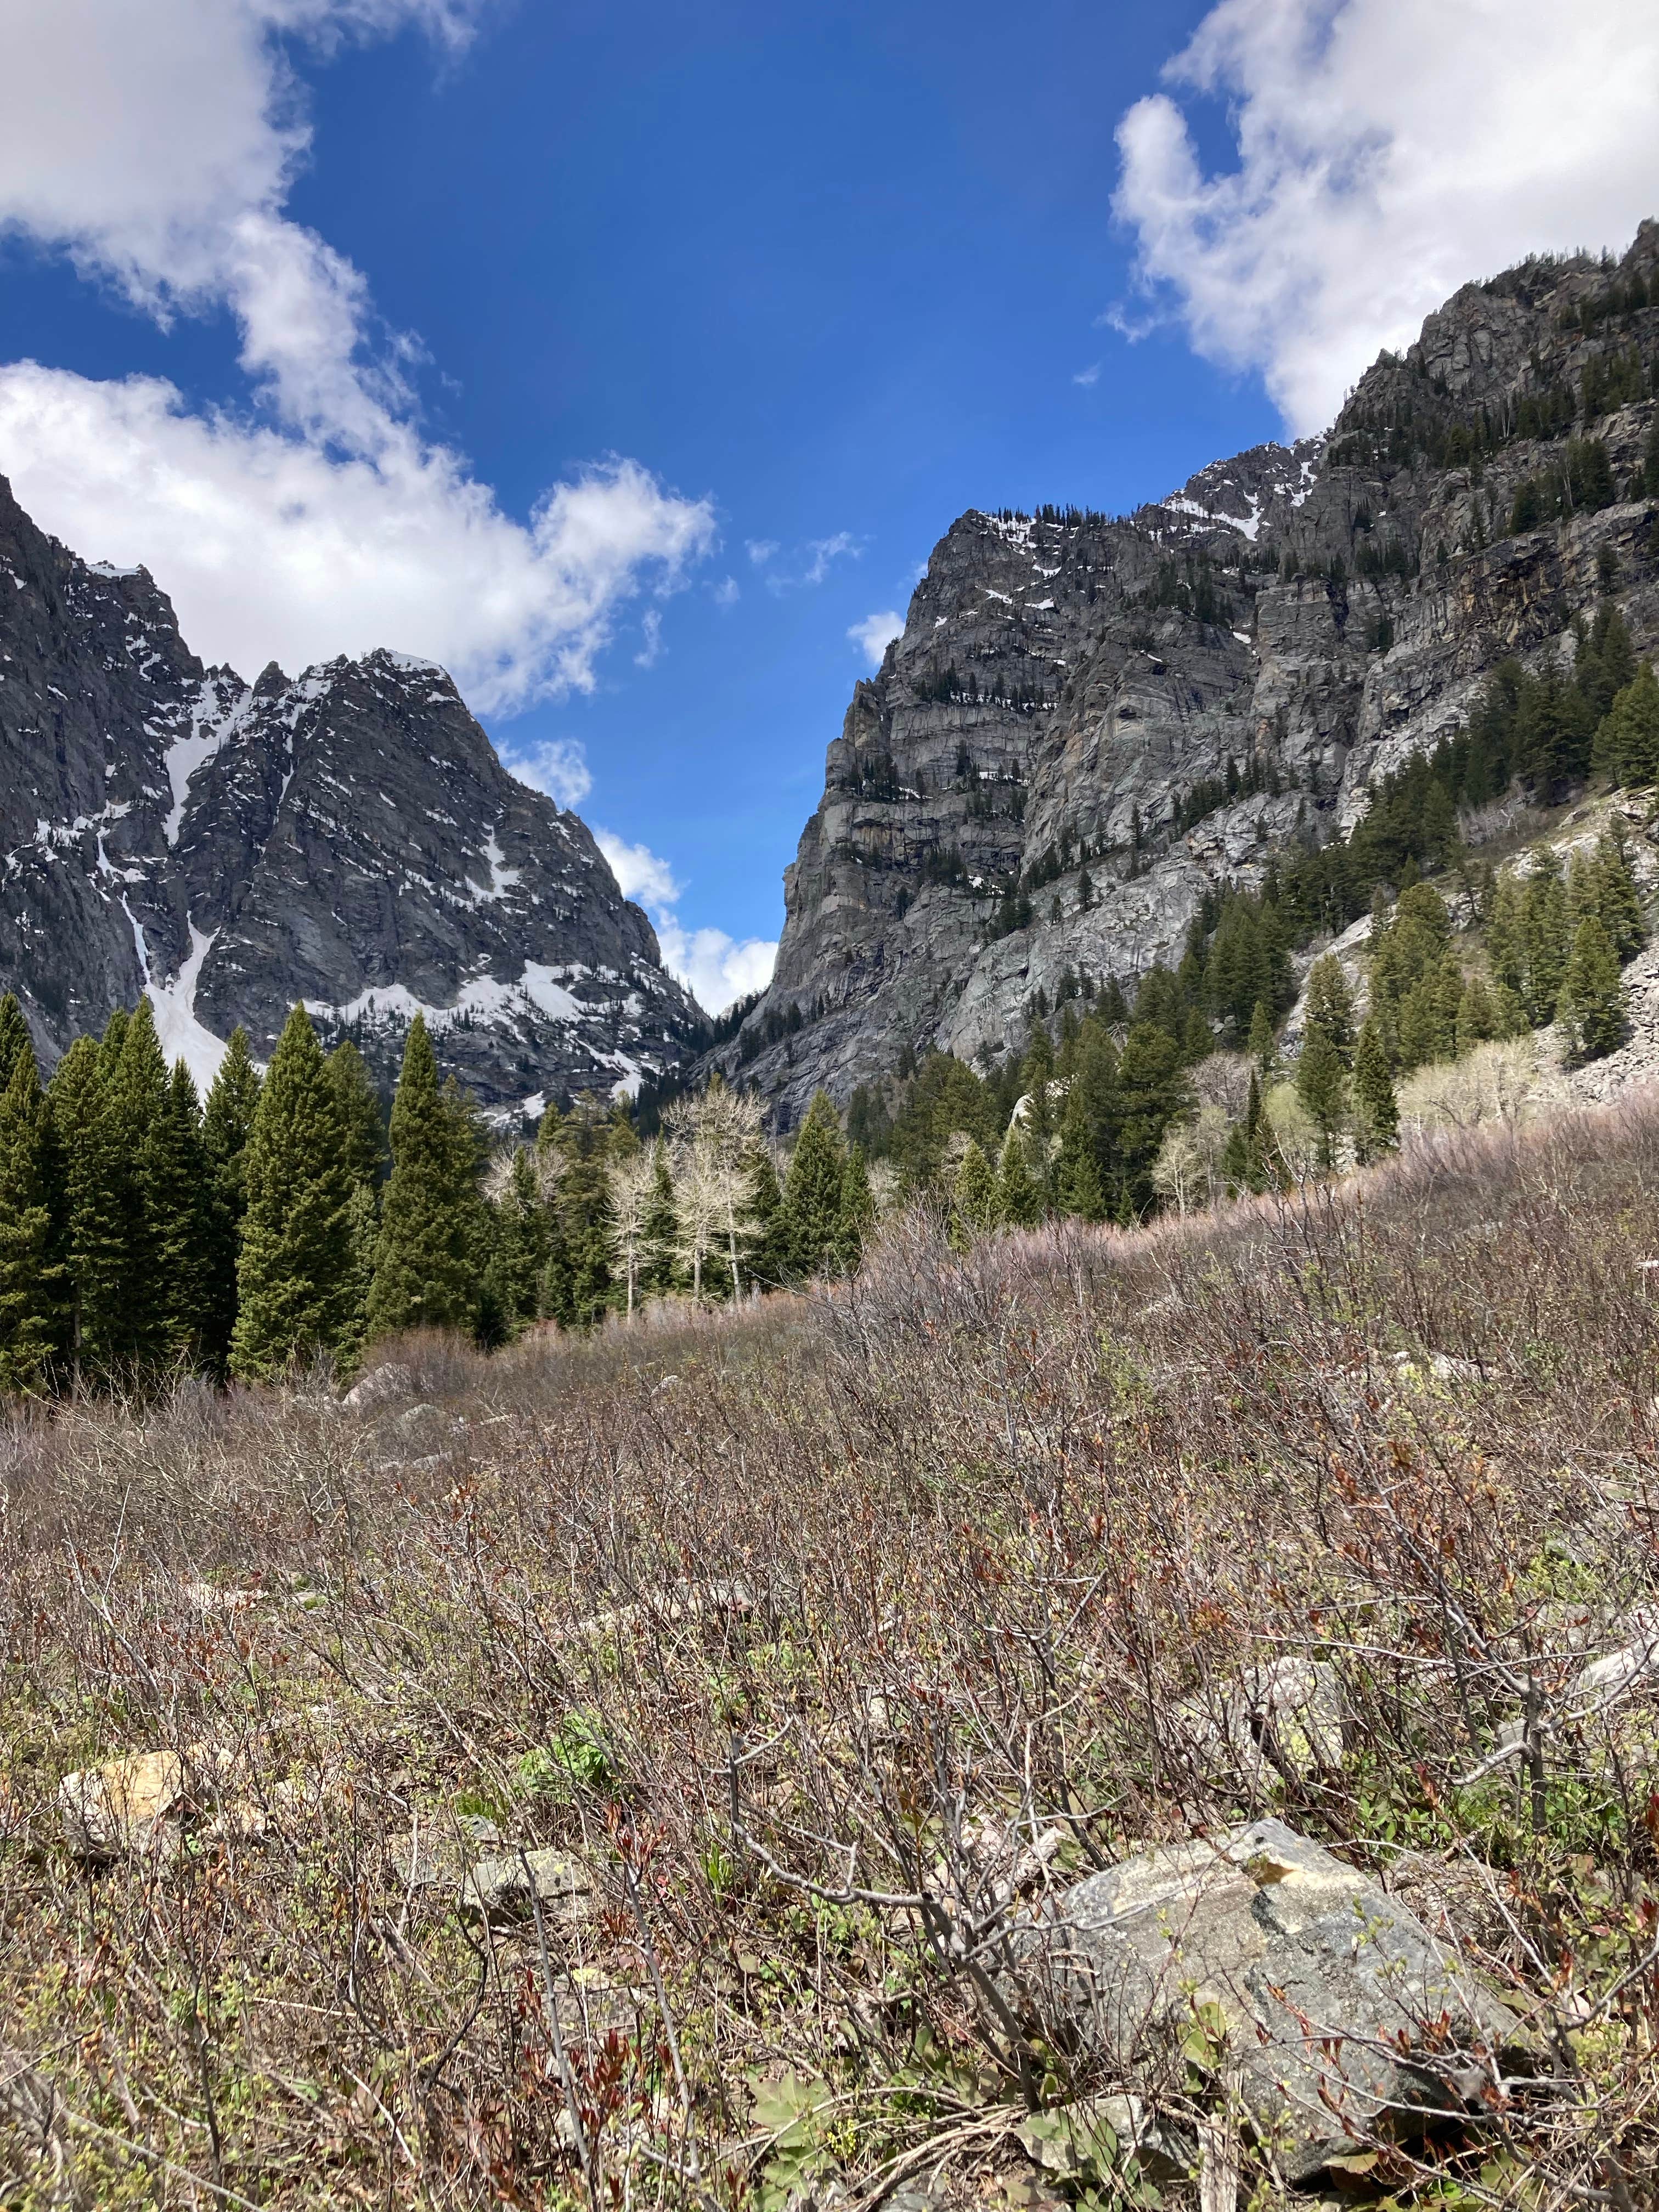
(349, 838)
(1089, 725)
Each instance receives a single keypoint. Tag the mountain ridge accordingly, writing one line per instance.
(349, 837)
(1089, 725)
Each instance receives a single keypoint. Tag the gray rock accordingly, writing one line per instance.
(1058, 676)
(502, 1887)
(1342, 2017)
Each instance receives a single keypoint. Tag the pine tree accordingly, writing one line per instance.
(179, 1195)
(1152, 1093)
(14, 1039)
(973, 1197)
(1617, 903)
(1506, 949)
(1019, 1196)
(95, 1210)
(136, 1103)
(227, 1122)
(1329, 1002)
(425, 1260)
(1477, 1016)
(522, 1239)
(361, 1122)
(1591, 1007)
(857, 1216)
(769, 1259)
(31, 1281)
(294, 1273)
(1263, 1047)
(1322, 1086)
(812, 1191)
(1543, 936)
(1627, 742)
(1376, 1112)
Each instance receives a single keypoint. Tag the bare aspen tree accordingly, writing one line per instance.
(712, 1141)
(633, 1184)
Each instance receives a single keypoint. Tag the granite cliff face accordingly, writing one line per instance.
(1089, 723)
(348, 838)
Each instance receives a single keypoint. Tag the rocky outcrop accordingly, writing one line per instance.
(1088, 724)
(349, 838)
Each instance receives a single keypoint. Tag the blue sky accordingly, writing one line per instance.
(774, 295)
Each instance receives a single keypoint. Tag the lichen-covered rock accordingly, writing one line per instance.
(1341, 2017)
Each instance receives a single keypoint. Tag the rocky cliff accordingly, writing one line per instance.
(348, 838)
(1088, 723)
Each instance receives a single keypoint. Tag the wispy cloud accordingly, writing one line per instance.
(1088, 376)
(558, 765)
(761, 549)
(651, 651)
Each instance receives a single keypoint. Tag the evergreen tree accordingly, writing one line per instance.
(362, 1242)
(361, 1122)
(769, 1259)
(812, 1191)
(1330, 1004)
(31, 1281)
(857, 1216)
(1617, 903)
(973, 1197)
(294, 1275)
(1019, 1194)
(135, 1082)
(522, 1239)
(1152, 1093)
(95, 1210)
(1086, 1166)
(1591, 1007)
(1543, 936)
(425, 1270)
(14, 1038)
(227, 1122)
(1376, 1113)
(1478, 1016)
(1627, 742)
(1506, 949)
(1263, 1047)
(179, 1195)
(1322, 1086)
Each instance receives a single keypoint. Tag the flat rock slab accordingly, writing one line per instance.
(1342, 2016)
(505, 1886)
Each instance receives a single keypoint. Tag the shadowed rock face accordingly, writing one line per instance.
(348, 838)
(1059, 679)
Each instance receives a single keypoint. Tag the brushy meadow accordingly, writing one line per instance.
(824, 1636)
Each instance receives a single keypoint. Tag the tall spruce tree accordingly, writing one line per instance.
(812, 1191)
(426, 1259)
(857, 1214)
(179, 1193)
(227, 1123)
(136, 1106)
(95, 1222)
(1377, 1113)
(973, 1205)
(522, 1238)
(1591, 1007)
(361, 1122)
(294, 1273)
(1544, 935)
(14, 1038)
(31, 1278)
(662, 1225)
(1019, 1193)
(1322, 1086)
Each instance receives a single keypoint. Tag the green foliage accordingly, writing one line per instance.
(812, 1192)
(226, 1124)
(857, 1214)
(973, 1200)
(426, 1259)
(1591, 1005)
(1376, 1113)
(295, 1276)
(31, 1276)
(1019, 1193)
(1628, 741)
(1321, 1085)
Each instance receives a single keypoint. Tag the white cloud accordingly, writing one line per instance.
(760, 550)
(715, 967)
(640, 873)
(156, 146)
(1089, 376)
(557, 766)
(875, 634)
(824, 550)
(726, 593)
(1388, 151)
(651, 651)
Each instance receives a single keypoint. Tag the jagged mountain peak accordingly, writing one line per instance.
(347, 836)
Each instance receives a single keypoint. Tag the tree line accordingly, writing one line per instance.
(145, 1231)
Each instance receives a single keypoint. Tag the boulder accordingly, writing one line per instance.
(124, 1805)
(1340, 2015)
(502, 1888)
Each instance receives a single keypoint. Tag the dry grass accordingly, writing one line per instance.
(796, 1627)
